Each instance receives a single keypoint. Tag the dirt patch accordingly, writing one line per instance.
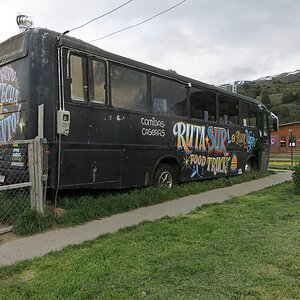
(59, 212)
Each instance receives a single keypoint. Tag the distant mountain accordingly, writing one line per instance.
(285, 77)
(280, 93)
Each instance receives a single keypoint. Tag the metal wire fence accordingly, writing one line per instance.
(18, 177)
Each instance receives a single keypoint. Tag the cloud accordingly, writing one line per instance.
(214, 41)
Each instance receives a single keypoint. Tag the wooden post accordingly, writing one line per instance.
(41, 121)
(35, 160)
(39, 161)
(38, 173)
(31, 175)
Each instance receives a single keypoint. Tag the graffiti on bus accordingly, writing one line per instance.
(193, 138)
(246, 140)
(10, 104)
(205, 148)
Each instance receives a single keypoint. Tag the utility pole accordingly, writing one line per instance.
(291, 144)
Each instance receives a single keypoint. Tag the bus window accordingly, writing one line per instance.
(128, 88)
(168, 96)
(203, 104)
(197, 103)
(249, 114)
(244, 113)
(97, 92)
(79, 87)
(228, 110)
(12, 47)
(253, 120)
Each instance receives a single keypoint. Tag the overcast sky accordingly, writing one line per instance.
(214, 41)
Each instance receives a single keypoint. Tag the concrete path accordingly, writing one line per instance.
(40, 244)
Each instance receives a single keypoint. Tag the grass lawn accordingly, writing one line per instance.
(283, 163)
(84, 206)
(246, 248)
(280, 166)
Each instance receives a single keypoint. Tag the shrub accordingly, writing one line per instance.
(31, 222)
(288, 97)
(296, 179)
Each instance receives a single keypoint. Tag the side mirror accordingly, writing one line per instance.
(275, 123)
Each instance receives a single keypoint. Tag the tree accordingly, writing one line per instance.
(266, 99)
(287, 97)
(282, 112)
(297, 96)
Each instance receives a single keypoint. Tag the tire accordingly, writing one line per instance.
(250, 165)
(164, 176)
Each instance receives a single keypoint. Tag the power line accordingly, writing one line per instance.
(109, 12)
(138, 24)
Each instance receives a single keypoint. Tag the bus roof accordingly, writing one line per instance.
(77, 44)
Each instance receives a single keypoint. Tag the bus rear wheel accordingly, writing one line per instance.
(164, 176)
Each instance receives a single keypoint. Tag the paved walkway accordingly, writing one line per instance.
(40, 244)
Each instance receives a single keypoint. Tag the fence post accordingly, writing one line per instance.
(38, 173)
(31, 175)
(41, 121)
(35, 160)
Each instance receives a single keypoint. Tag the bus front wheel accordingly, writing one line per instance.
(250, 165)
(164, 176)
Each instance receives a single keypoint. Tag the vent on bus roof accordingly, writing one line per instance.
(24, 22)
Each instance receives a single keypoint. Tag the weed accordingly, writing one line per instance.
(31, 221)
(82, 208)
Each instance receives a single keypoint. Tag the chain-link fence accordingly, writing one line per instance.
(23, 169)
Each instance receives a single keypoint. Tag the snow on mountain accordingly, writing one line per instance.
(265, 78)
(286, 74)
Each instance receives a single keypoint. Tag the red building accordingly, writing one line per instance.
(286, 137)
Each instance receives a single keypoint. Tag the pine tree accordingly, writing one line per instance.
(266, 99)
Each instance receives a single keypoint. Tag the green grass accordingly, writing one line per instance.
(282, 163)
(246, 248)
(83, 207)
(13, 203)
(275, 99)
(280, 166)
(286, 157)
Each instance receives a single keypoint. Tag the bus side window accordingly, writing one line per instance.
(128, 88)
(253, 115)
(203, 104)
(210, 106)
(78, 72)
(197, 103)
(159, 105)
(228, 110)
(245, 113)
(249, 114)
(168, 96)
(97, 87)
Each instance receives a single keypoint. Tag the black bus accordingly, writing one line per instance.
(113, 123)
